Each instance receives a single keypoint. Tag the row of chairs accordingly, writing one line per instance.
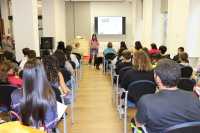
(134, 92)
(6, 91)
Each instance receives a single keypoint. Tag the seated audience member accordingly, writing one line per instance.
(64, 64)
(9, 75)
(37, 104)
(77, 49)
(61, 46)
(54, 76)
(71, 57)
(31, 54)
(109, 49)
(138, 46)
(145, 49)
(176, 57)
(170, 106)
(154, 50)
(183, 58)
(126, 61)
(11, 57)
(121, 49)
(186, 82)
(142, 70)
(119, 57)
(163, 50)
(25, 52)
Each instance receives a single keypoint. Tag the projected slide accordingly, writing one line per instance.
(110, 25)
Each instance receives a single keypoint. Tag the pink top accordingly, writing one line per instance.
(15, 80)
(94, 44)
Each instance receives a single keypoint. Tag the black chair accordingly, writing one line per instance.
(189, 127)
(107, 60)
(139, 88)
(78, 56)
(66, 74)
(57, 94)
(186, 71)
(5, 96)
(122, 72)
(186, 84)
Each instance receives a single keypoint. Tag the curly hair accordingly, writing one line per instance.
(51, 67)
(142, 61)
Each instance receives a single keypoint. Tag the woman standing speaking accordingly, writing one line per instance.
(94, 48)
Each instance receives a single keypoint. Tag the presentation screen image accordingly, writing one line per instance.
(110, 25)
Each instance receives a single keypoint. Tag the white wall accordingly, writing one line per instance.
(193, 32)
(54, 21)
(138, 11)
(158, 23)
(147, 22)
(114, 9)
(60, 20)
(178, 11)
(25, 26)
(84, 13)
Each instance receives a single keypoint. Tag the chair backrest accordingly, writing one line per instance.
(139, 88)
(186, 84)
(186, 71)
(110, 56)
(66, 74)
(78, 56)
(189, 127)
(5, 95)
(57, 93)
(122, 72)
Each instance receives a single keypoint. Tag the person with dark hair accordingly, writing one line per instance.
(176, 57)
(138, 45)
(63, 62)
(25, 52)
(55, 76)
(121, 49)
(170, 106)
(61, 46)
(11, 57)
(71, 57)
(142, 70)
(183, 58)
(31, 54)
(36, 105)
(94, 48)
(119, 57)
(126, 61)
(154, 50)
(163, 50)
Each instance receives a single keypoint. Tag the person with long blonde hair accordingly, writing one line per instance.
(142, 70)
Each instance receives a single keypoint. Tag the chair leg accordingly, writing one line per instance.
(65, 123)
(125, 111)
(72, 113)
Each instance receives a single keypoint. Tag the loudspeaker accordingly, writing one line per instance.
(47, 43)
(123, 25)
(96, 25)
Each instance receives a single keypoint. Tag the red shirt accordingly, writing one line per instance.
(154, 51)
(15, 80)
